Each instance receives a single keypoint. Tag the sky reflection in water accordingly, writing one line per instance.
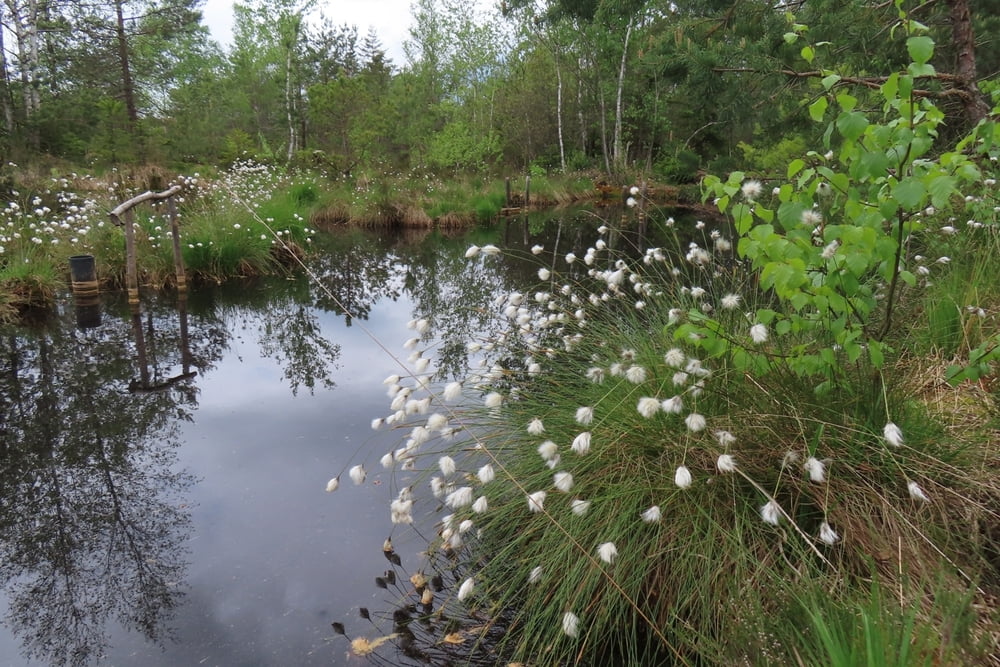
(251, 561)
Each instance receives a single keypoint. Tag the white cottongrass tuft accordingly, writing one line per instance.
(675, 358)
(581, 443)
(816, 469)
(731, 301)
(486, 474)
(595, 374)
(635, 374)
(535, 575)
(472, 251)
(725, 438)
(695, 422)
(465, 590)
(536, 501)
(452, 391)
(916, 492)
(480, 505)
(648, 407)
(770, 512)
(893, 435)
(332, 485)
(493, 400)
(726, 463)
(563, 481)
(548, 450)
(673, 405)
(652, 515)
(584, 415)
(682, 477)
(827, 534)
(579, 507)
(758, 333)
(544, 274)
(607, 552)
(460, 497)
(490, 250)
(751, 189)
(447, 466)
(570, 624)
(387, 460)
(536, 427)
(358, 474)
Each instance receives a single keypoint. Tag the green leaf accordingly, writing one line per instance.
(890, 89)
(790, 37)
(941, 189)
(876, 354)
(920, 48)
(807, 54)
(909, 193)
(830, 80)
(851, 125)
(921, 70)
(847, 102)
(742, 218)
(818, 108)
(795, 166)
(908, 278)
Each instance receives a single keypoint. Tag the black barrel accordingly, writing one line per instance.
(83, 274)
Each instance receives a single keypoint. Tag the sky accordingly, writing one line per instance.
(390, 19)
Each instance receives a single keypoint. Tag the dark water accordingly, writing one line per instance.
(163, 475)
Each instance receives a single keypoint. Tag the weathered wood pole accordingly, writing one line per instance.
(175, 231)
(527, 192)
(507, 190)
(131, 269)
(125, 209)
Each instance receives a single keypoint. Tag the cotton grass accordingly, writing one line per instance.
(685, 491)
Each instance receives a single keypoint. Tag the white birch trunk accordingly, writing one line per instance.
(617, 154)
(559, 117)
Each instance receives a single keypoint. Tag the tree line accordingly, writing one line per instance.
(666, 88)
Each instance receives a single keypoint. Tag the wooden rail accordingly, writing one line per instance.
(124, 210)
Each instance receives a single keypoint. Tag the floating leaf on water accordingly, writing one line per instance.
(362, 646)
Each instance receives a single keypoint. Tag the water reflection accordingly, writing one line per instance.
(92, 515)
(109, 545)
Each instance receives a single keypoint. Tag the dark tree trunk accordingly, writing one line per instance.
(973, 103)
(128, 85)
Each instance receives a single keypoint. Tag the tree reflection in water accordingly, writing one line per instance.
(93, 515)
(93, 520)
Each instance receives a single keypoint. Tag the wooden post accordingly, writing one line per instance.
(131, 269)
(178, 257)
(125, 209)
(507, 190)
(527, 192)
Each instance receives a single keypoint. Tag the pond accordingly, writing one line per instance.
(163, 474)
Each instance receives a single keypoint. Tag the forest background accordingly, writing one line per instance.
(671, 90)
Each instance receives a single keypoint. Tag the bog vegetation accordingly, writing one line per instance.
(776, 442)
